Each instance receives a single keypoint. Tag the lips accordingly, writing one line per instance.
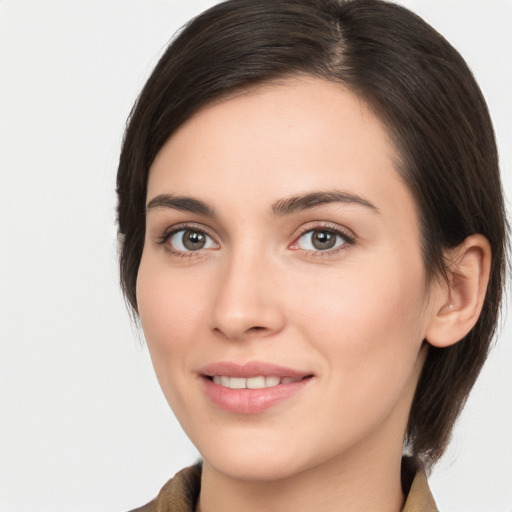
(251, 388)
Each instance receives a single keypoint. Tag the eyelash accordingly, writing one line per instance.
(168, 234)
(348, 239)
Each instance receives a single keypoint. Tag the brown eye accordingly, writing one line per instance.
(186, 240)
(321, 240)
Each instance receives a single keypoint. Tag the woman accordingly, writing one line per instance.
(313, 238)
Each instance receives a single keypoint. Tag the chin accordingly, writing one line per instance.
(249, 456)
(274, 458)
(258, 468)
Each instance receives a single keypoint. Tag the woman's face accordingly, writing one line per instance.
(282, 290)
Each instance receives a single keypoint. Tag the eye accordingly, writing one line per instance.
(187, 240)
(321, 240)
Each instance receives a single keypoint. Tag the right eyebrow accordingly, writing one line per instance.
(182, 203)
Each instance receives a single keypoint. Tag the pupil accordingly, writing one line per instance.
(323, 240)
(193, 240)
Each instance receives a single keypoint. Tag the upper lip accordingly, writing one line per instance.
(250, 369)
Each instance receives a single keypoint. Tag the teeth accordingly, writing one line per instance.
(258, 382)
(237, 383)
(272, 381)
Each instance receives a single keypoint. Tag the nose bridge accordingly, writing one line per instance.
(246, 301)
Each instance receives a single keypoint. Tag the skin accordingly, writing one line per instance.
(355, 316)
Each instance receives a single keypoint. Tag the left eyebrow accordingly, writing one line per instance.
(303, 202)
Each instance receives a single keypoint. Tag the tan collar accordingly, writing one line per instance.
(420, 498)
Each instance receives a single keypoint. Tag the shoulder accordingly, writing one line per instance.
(179, 494)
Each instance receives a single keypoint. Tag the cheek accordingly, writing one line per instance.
(167, 301)
(371, 296)
(369, 334)
(170, 311)
(369, 321)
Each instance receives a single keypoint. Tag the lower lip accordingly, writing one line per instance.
(251, 401)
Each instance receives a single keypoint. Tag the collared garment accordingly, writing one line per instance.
(180, 494)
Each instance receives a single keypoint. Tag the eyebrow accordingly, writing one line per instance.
(184, 204)
(303, 202)
(280, 208)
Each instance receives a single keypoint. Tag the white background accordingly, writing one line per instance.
(83, 424)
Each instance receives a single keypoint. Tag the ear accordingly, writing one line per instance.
(458, 301)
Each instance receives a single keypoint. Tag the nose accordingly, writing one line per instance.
(246, 302)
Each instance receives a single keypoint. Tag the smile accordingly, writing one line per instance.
(258, 382)
(253, 387)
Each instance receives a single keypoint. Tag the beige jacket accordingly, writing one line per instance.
(181, 492)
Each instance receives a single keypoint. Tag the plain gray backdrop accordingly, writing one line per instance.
(83, 424)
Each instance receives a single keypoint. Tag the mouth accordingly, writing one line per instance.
(257, 382)
(253, 387)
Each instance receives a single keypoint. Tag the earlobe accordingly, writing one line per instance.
(459, 300)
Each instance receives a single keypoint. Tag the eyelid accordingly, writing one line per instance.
(348, 235)
(170, 231)
(345, 233)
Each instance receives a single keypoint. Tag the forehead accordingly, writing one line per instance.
(276, 140)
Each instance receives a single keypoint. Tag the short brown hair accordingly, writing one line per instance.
(418, 85)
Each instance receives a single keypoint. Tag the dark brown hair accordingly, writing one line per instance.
(418, 85)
